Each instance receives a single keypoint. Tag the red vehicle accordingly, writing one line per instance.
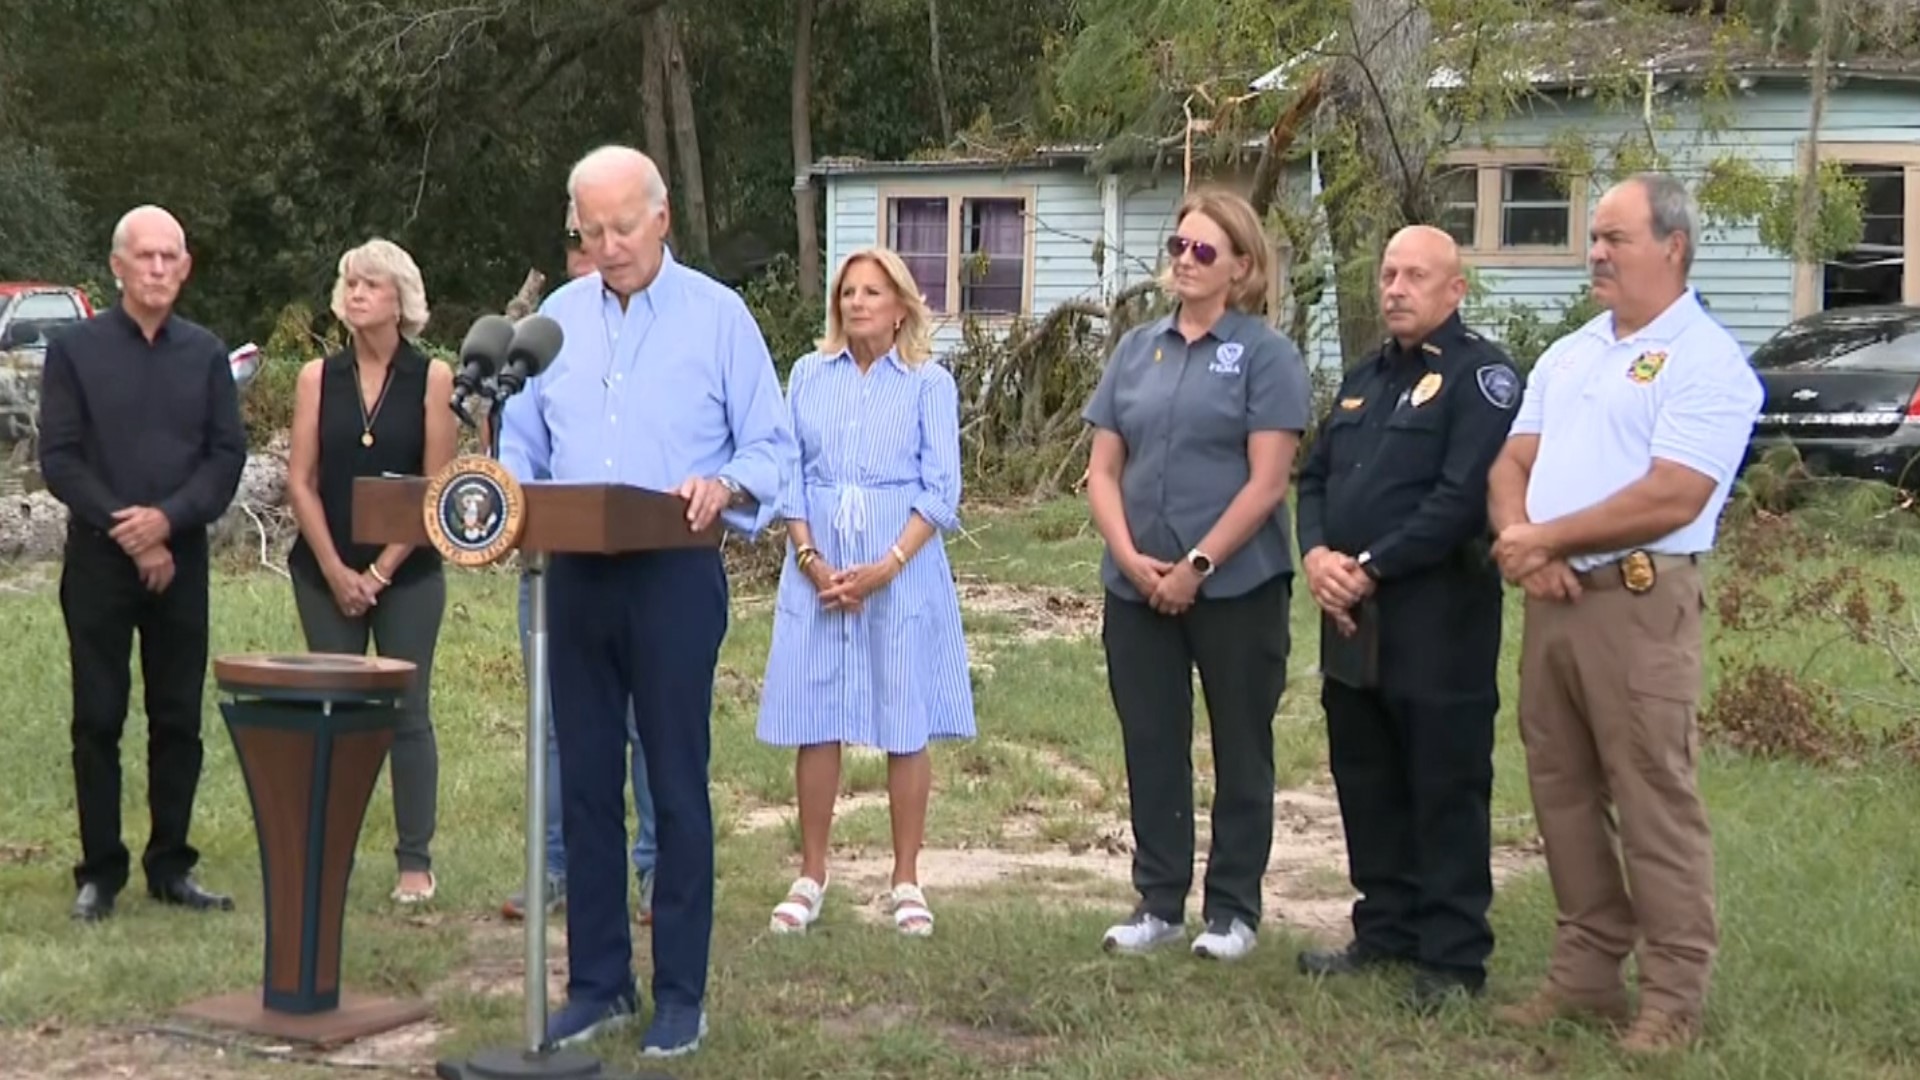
(29, 309)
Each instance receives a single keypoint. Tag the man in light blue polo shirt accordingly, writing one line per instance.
(1604, 498)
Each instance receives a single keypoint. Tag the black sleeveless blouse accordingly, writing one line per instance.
(398, 446)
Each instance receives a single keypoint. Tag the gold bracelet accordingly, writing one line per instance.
(900, 556)
(804, 555)
(378, 576)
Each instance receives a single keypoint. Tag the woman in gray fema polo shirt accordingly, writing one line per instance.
(1197, 420)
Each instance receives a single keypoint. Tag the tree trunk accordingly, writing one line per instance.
(939, 78)
(1376, 172)
(653, 95)
(1806, 216)
(686, 145)
(808, 236)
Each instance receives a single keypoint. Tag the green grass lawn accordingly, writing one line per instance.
(1818, 880)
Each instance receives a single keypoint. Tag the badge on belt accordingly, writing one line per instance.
(1636, 572)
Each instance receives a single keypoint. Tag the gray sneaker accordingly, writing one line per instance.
(556, 897)
(1143, 932)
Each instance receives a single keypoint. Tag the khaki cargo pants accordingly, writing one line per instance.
(1608, 693)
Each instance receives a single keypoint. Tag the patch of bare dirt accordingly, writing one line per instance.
(1041, 612)
(1305, 886)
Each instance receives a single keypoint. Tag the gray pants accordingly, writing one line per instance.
(404, 625)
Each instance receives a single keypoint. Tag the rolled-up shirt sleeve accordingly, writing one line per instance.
(793, 494)
(1705, 422)
(939, 498)
(764, 453)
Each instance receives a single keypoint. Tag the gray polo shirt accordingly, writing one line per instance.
(1185, 412)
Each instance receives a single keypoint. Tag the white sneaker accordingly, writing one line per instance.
(1140, 933)
(1225, 941)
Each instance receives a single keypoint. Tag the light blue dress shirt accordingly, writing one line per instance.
(679, 385)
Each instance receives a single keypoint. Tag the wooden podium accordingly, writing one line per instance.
(475, 514)
(311, 731)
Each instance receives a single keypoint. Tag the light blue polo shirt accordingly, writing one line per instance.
(1604, 407)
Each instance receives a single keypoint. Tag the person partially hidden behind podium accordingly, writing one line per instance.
(664, 382)
(1393, 533)
(377, 406)
(141, 438)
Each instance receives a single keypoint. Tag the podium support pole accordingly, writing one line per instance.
(533, 1060)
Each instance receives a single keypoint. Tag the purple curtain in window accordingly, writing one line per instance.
(996, 228)
(920, 239)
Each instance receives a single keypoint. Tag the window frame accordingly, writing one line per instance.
(1889, 155)
(1486, 250)
(957, 195)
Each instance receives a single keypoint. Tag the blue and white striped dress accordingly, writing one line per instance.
(874, 449)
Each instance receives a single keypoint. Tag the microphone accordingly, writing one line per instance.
(480, 356)
(536, 341)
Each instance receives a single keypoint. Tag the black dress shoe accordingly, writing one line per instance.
(187, 893)
(1348, 961)
(93, 903)
(1432, 990)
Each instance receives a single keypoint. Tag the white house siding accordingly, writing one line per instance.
(1749, 287)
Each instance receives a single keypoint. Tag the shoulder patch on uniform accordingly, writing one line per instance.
(1498, 384)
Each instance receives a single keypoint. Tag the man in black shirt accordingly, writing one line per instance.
(140, 437)
(1393, 530)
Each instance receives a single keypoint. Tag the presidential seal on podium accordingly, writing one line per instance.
(474, 511)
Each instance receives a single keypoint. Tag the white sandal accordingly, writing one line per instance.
(801, 908)
(911, 915)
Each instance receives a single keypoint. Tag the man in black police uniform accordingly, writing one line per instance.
(1393, 528)
(140, 437)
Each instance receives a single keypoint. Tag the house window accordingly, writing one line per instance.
(917, 232)
(1534, 213)
(1873, 271)
(967, 253)
(1512, 208)
(1457, 200)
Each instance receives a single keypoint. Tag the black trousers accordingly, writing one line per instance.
(103, 603)
(1414, 779)
(1240, 645)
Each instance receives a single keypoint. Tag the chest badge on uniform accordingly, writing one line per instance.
(1424, 390)
(1226, 359)
(1646, 366)
(1352, 402)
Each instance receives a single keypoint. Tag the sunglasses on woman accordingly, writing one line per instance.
(1203, 252)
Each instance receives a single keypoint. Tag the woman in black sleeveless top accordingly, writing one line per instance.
(377, 406)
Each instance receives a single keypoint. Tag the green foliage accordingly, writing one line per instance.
(1525, 333)
(790, 322)
(39, 220)
(1736, 190)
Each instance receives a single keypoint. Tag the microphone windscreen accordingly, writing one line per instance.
(536, 341)
(486, 343)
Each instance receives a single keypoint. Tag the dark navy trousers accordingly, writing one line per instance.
(649, 626)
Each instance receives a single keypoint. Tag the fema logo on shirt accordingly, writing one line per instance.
(1226, 359)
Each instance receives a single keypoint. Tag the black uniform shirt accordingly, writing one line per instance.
(1398, 471)
(127, 422)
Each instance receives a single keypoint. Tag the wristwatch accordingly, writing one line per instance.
(1365, 562)
(735, 493)
(1201, 562)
